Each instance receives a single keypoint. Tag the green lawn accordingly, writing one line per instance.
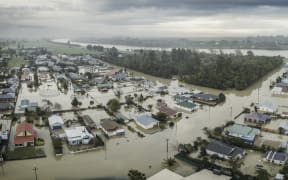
(16, 61)
(25, 153)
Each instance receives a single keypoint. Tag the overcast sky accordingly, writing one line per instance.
(142, 18)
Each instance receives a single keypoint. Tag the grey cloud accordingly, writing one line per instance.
(183, 4)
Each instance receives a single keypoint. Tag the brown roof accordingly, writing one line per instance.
(110, 125)
(24, 126)
(167, 110)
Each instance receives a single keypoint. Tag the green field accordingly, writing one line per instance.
(57, 48)
(16, 61)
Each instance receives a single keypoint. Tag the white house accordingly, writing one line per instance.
(78, 135)
(267, 107)
(55, 122)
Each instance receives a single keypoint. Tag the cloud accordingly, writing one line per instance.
(142, 18)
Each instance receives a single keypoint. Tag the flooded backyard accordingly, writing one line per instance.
(131, 151)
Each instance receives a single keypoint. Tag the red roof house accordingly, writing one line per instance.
(25, 134)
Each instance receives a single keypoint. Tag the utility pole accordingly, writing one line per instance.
(167, 140)
(35, 171)
(209, 113)
(105, 147)
(231, 114)
(258, 96)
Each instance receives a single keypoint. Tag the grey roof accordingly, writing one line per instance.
(146, 119)
(205, 97)
(7, 96)
(279, 156)
(4, 106)
(225, 149)
(257, 116)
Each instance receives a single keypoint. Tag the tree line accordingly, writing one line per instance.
(220, 71)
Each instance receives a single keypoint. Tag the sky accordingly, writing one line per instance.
(142, 18)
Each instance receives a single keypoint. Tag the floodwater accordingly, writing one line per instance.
(145, 154)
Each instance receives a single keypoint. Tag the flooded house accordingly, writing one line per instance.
(7, 98)
(25, 135)
(6, 106)
(78, 135)
(225, 151)
(111, 128)
(88, 121)
(164, 108)
(267, 107)
(258, 118)
(55, 122)
(146, 121)
(208, 99)
(246, 133)
(187, 105)
(275, 157)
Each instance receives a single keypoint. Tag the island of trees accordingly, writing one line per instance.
(214, 70)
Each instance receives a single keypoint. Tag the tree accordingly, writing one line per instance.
(162, 117)
(221, 97)
(140, 99)
(75, 102)
(150, 106)
(134, 174)
(262, 174)
(114, 105)
(36, 81)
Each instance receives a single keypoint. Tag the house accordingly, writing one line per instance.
(25, 104)
(146, 121)
(7, 98)
(187, 105)
(275, 157)
(258, 118)
(284, 127)
(25, 135)
(163, 107)
(6, 106)
(120, 76)
(111, 128)
(279, 176)
(179, 91)
(246, 133)
(225, 151)
(209, 99)
(78, 135)
(55, 122)
(89, 122)
(206, 174)
(42, 69)
(267, 107)
(166, 174)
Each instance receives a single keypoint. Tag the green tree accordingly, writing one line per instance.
(262, 174)
(114, 105)
(162, 117)
(134, 174)
(75, 102)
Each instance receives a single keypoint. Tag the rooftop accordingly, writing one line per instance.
(146, 119)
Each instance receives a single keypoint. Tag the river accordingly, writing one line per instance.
(145, 154)
(260, 52)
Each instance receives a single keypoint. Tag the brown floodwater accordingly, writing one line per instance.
(145, 154)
